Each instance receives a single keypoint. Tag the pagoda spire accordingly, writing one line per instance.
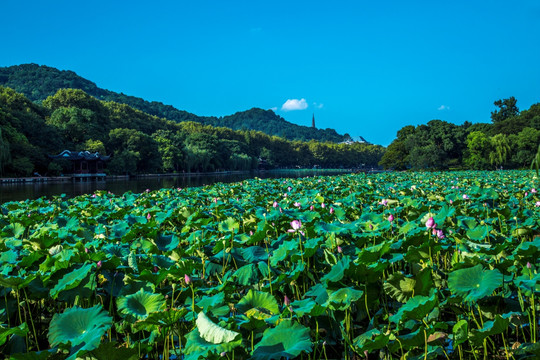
(313, 121)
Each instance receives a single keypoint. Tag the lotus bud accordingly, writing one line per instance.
(440, 234)
(156, 269)
(391, 218)
(533, 191)
(311, 208)
(323, 206)
(86, 250)
(430, 223)
(529, 265)
(250, 233)
(339, 249)
(223, 354)
(187, 279)
(537, 204)
(331, 210)
(147, 190)
(465, 197)
(286, 301)
(148, 216)
(289, 189)
(526, 193)
(99, 263)
(275, 204)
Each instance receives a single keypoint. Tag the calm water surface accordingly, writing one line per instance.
(23, 191)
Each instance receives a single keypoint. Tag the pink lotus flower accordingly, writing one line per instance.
(297, 204)
(86, 250)
(296, 225)
(384, 202)
(323, 206)
(533, 191)
(430, 223)
(331, 210)
(99, 263)
(289, 189)
(451, 202)
(250, 233)
(311, 208)
(529, 265)
(391, 218)
(286, 301)
(339, 249)
(537, 204)
(526, 193)
(275, 204)
(187, 279)
(147, 190)
(465, 197)
(148, 216)
(440, 234)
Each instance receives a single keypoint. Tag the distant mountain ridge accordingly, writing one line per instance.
(37, 82)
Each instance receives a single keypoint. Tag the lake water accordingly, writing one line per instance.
(23, 191)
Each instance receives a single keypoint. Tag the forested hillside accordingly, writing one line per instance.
(511, 140)
(143, 143)
(38, 82)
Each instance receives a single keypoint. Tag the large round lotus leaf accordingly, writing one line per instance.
(213, 333)
(259, 300)
(416, 308)
(139, 305)
(79, 326)
(287, 340)
(197, 347)
(474, 283)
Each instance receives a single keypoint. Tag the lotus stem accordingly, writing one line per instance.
(31, 320)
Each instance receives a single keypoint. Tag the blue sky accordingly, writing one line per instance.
(363, 67)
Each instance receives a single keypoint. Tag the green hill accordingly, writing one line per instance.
(38, 82)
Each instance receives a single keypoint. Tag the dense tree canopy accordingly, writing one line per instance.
(143, 143)
(38, 83)
(511, 141)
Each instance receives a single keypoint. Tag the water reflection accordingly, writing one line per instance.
(22, 191)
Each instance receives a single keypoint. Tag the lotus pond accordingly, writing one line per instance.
(393, 266)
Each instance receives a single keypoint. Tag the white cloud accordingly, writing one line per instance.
(443, 107)
(318, 106)
(274, 109)
(294, 104)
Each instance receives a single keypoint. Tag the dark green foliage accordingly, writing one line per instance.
(143, 143)
(39, 82)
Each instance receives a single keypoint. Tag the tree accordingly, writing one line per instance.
(478, 149)
(5, 154)
(507, 109)
(500, 150)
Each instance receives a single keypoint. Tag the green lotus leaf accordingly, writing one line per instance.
(71, 279)
(9, 257)
(112, 351)
(167, 242)
(247, 275)
(474, 283)
(402, 288)
(213, 333)
(318, 292)
(258, 300)
(307, 306)
(288, 339)
(497, 326)
(16, 282)
(254, 254)
(5, 333)
(343, 298)
(478, 233)
(210, 302)
(460, 332)
(416, 308)
(164, 318)
(139, 305)
(229, 225)
(197, 347)
(82, 328)
(371, 340)
(337, 271)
